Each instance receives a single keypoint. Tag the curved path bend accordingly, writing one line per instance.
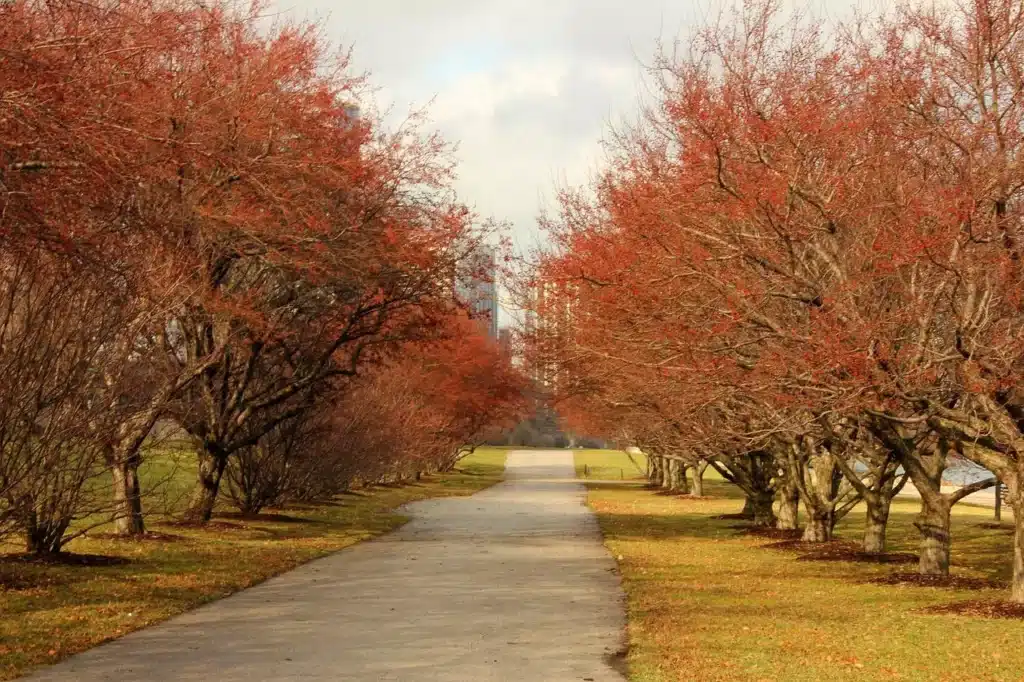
(511, 584)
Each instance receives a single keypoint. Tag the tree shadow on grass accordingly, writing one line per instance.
(20, 572)
(396, 486)
(953, 582)
(855, 555)
(976, 548)
(979, 551)
(219, 526)
(326, 504)
(660, 526)
(614, 485)
(1004, 527)
(269, 517)
(15, 580)
(148, 536)
(65, 559)
(766, 533)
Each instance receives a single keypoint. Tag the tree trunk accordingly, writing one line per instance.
(204, 497)
(667, 474)
(876, 522)
(44, 537)
(698, 478)
(1016, 496)
(764, 515)
(933, 524)
(748, 508)
(818, 528)
(128, 519)
(1017, 586)
(679, 482)
(789, 507)
(819, 493)
(657, 471)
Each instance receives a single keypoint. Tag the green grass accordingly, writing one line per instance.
(609, 465)
(707, 602)
(615, 465)
(52, 611)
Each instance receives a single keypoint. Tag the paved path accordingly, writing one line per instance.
(510, 584)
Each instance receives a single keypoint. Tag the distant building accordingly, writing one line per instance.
(353, 112)
(476, 287)
(548, 323)
(505, 343)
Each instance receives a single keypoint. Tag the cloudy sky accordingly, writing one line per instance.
(527, 87)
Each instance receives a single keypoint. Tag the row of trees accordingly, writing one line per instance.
(802, 266)
(420, 413)
(197, 225)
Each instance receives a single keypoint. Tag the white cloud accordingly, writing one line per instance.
(526, 88)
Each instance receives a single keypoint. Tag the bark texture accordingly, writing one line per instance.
(204, 496)
(128, 518)
(789, 506)
(698, 478)
(1017, 585)
(875, 524)
(933, 523)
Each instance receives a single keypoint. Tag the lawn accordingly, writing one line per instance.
(615, 465)
(609, 465)
(708, 602)
(53, 611)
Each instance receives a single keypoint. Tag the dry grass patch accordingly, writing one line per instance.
(707, 603)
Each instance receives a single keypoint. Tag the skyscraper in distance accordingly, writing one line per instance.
(476, 287)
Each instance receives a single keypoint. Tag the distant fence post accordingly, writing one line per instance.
(1000, 491)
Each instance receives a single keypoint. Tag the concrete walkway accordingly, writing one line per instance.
(510, 584)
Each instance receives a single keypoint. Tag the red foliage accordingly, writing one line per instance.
(805, 230)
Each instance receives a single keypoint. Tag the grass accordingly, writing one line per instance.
(52, 611)
(609, 465)
(708, 602)
(614, 465)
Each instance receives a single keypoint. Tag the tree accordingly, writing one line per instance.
(814, 227)
(265, 244)
(55, 326)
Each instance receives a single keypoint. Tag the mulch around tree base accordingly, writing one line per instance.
(731, 517)
(840, 552)
(681, 495)
(798, 545)
(770, 533)
(980, 609)
(957, 582)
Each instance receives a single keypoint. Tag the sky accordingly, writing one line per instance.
(527, 88)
